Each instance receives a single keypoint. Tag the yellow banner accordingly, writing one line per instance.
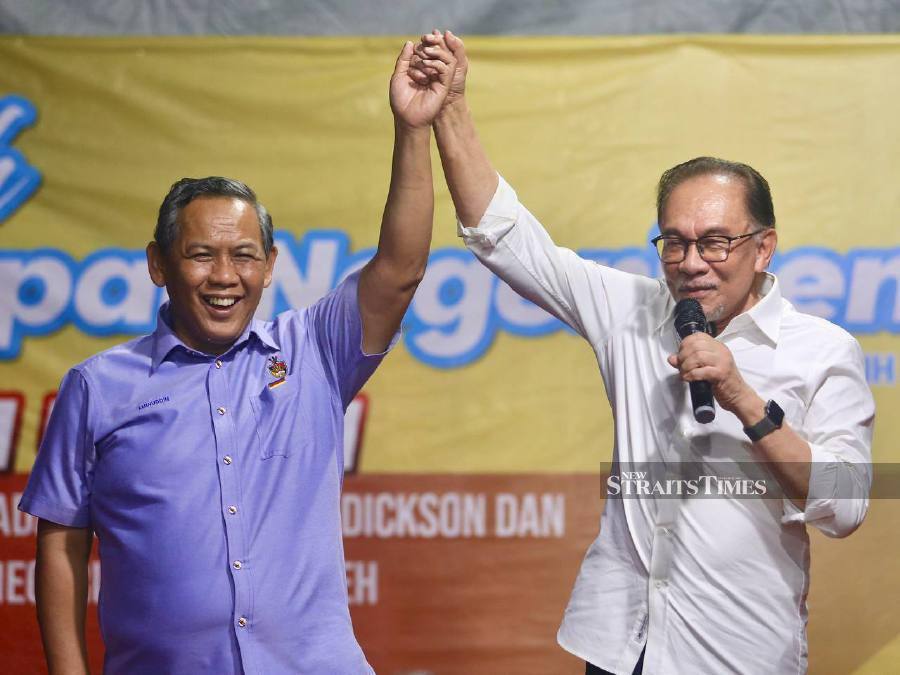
(581, 127)
(93, 132)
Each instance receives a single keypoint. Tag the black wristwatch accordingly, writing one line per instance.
(772, 421)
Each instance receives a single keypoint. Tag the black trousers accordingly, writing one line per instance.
(591, 669)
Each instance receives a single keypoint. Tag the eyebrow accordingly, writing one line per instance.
(712, 232)
(247, 246)
(241, 245)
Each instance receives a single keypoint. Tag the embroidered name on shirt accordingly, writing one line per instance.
(156, 401)
(278, 370)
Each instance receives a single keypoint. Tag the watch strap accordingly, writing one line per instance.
(770, 422)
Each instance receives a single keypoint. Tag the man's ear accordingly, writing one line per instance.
(156, 264)
(765, 249)
(270, 265)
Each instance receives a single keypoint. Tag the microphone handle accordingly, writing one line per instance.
(702, 402)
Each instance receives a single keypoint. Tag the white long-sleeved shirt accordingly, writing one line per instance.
(714, 584)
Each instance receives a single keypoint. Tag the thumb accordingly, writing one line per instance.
(455, 45)
(402, 64)
(673, 360)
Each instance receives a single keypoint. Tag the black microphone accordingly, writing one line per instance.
(690, 319)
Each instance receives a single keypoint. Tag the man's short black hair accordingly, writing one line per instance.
(756, 188)
(186, 190)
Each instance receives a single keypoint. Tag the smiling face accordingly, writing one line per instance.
(716, 204)
(215, 272)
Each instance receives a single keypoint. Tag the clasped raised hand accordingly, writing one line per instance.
(416, 99)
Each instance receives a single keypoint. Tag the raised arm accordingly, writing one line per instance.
(508, 239)
(470, 177)
(61, 587)
(388, 281)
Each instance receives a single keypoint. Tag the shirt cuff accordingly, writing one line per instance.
(61, 515)
(498, 219)
(381, 354)
(822, 493)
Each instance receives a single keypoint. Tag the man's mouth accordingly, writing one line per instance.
(221, 303)
(692, 291)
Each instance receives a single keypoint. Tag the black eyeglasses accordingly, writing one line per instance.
(712, 248)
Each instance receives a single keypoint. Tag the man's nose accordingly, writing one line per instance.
(692, 263)
(223, 272)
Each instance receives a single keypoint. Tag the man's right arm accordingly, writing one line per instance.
(61, 587)
(508, 239)
(470, 177)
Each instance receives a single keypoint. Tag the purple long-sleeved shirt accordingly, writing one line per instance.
(213, 485)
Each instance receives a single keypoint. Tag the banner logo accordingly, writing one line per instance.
(18, 179)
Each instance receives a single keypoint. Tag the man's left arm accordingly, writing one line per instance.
(388, 281)
(826, 471)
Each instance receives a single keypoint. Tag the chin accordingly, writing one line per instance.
(715, 313)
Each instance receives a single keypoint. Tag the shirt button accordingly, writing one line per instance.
(242, 621)
(220, 410)
(218, 363)
(232, 510)
(237, 564)
(227, 459)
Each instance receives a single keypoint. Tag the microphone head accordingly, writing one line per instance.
(689, 317)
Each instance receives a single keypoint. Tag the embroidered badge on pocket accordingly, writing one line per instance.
(278, 370)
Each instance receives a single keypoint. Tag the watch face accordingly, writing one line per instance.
(774, 413)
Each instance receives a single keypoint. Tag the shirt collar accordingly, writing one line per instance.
(765, 315)
(165, 339)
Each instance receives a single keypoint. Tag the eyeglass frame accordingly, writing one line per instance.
(686, 244)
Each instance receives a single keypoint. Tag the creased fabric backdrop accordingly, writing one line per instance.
(477, 451)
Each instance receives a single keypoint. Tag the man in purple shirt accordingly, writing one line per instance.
(207, 456)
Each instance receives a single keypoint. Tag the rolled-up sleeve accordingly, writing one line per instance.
(838, 427)
(591, 299)
(59, 487)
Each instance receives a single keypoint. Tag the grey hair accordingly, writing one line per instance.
(757, 195)
(186, 190)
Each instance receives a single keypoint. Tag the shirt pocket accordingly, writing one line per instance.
(276, 413)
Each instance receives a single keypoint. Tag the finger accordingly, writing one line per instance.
(689, 352)
(438, 66)
(696, 339)
(692, 363)
(426, 70)
(417, 62)
(673, 360)
(704, 374)
(456, 46)
(418, 77)
(402, 64)
(436, 53)
(418, 65)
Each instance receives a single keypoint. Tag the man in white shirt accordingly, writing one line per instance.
(678, 583)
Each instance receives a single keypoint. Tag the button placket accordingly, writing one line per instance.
(224, 422)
